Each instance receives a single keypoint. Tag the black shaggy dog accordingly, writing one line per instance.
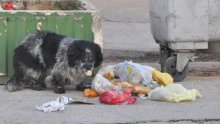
(47, 59)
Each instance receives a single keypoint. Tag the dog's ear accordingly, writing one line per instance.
(73, 54)
(98, 54)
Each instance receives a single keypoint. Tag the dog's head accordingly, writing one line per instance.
(84, 55)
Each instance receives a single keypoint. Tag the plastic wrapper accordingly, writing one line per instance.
(134, 73)
(53, 106)
(174, 93)
(114, 97)
(60, 103)
(101, 84)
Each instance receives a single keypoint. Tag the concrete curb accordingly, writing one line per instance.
(204, 64)
(111, 55)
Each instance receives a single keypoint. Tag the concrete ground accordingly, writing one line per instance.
(126, 25)
(20, 107)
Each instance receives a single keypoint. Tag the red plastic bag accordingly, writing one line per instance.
(114, 97)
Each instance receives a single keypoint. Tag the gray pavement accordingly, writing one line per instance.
(126, 25)
(19, 107)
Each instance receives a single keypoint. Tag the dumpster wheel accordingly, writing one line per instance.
(170, 67)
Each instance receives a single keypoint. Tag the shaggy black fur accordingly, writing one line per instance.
(47, 59)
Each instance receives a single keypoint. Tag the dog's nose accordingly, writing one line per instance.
(88, 67)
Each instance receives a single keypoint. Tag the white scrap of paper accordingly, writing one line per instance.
(53, 106)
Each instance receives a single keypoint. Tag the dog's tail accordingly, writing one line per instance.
(12, 84)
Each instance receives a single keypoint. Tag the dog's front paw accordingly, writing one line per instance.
(59, 90)
(37, 87)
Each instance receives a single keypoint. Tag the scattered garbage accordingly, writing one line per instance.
(110, 77)
(115, 85)
(139, 78)
(114, 97)
(174, 93)
(90, 93)
(58, 105)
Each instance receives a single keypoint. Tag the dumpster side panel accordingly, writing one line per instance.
(19, 24)
(158, 10)
(214, 14)
(189, 21)
(174, 21)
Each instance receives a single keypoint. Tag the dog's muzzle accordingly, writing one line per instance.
(87, 68)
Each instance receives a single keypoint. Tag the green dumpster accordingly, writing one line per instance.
(16, 24)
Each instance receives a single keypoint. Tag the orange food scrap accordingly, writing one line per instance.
(126, 85)
(90, 93)
(140, 90)
(109, 75)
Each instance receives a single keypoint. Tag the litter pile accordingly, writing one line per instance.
(122, 83)
(122, 80)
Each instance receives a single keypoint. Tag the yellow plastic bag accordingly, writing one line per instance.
(163, 79)
(174, 93)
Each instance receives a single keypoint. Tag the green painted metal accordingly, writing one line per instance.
(2, 45)
(14, 26)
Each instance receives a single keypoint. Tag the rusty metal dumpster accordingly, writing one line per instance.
(183, 27)
(16, 24)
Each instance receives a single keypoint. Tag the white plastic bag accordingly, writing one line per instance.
(134, 73)
(173, 93)
(101, 84)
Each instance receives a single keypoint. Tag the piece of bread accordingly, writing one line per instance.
(89, 73)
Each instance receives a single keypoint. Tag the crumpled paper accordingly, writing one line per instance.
(57, 105)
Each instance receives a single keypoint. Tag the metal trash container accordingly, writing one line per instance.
(16, 24)
(183, 27)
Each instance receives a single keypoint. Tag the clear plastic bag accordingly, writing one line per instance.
(101, 84)
(134, 73)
